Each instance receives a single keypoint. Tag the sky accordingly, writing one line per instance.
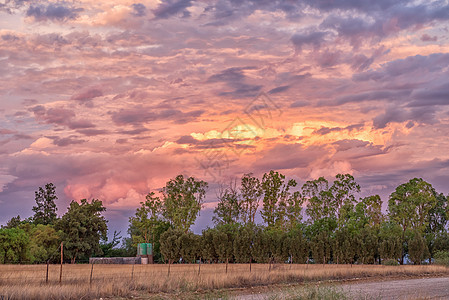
(111, 99)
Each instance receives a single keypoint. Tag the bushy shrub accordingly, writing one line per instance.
(442, 258)
(390, 262)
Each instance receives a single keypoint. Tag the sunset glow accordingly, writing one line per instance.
(111, 99)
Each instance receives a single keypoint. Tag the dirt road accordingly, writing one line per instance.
(422, 288)
(428, 288)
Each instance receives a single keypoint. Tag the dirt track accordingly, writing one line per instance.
(428, 288)
(421, 288)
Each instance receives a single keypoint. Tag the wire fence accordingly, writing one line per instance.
(83, 272)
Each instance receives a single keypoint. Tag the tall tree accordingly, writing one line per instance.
(320, 200)
(276, 199)
(343, 190)
(83, 226)
(410, 205)
(146, 218)
(45, 209)
(229, 207)
(251, 192)
(183, 200)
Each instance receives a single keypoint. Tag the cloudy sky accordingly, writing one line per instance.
(110, 99)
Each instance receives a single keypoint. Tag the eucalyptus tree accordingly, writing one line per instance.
(251, 192)
(319, 199)
(229, 206)
(278, 202)
(410, 205)
(183, 198)
(146, 219)
(343, 191)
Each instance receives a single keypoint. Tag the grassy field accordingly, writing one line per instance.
(29, 281)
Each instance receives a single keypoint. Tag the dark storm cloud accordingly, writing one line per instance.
(312, 38)
(435, 95)
(92, 132)
(211, 143)
(431, 63)
(88, 95)
(11, 5)
(235, 78)
(10, 37)
(225, 11)
(361, 5)
(351, 150)
(172, 7)
(327, 130)
(299, 103)
(379, 95)
(66, 141)
(139, 10)
(427, 38)
(140, 115)
(289, 156)
(279, 89)
(60, 116)
(395, 114)
(53, 12)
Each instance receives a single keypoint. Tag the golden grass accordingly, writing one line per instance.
(28, 281)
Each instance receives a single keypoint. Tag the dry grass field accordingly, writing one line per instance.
(29, 281)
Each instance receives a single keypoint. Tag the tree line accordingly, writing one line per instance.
(319, 222)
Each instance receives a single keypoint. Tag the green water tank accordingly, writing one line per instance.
(142, 249)
(149, 249)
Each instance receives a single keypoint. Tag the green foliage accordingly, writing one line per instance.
(411, 203)
(183, 200)
(343, 190)
(243, 244)
(344, 246)
(208, 251)
(14, 244)
(442, 258)
(44, 243)
(229, 207)
(417, 247)
(251, 191)
(390, 262)
(390, 241)
(223, 240)
(45, 209)
(170, 247)
(146, 219)
(320, 203)
(189, 247)
(296, 245)
(368, 245)
(82, 228)
(279, 205)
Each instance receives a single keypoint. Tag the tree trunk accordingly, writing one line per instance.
(227, 260)
(250, 265)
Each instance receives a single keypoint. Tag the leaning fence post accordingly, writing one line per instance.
(46, 276)
(62, 257)
(91, 272)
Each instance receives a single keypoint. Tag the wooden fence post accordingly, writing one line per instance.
(46, 277)
(91, 272)
(62, 257)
